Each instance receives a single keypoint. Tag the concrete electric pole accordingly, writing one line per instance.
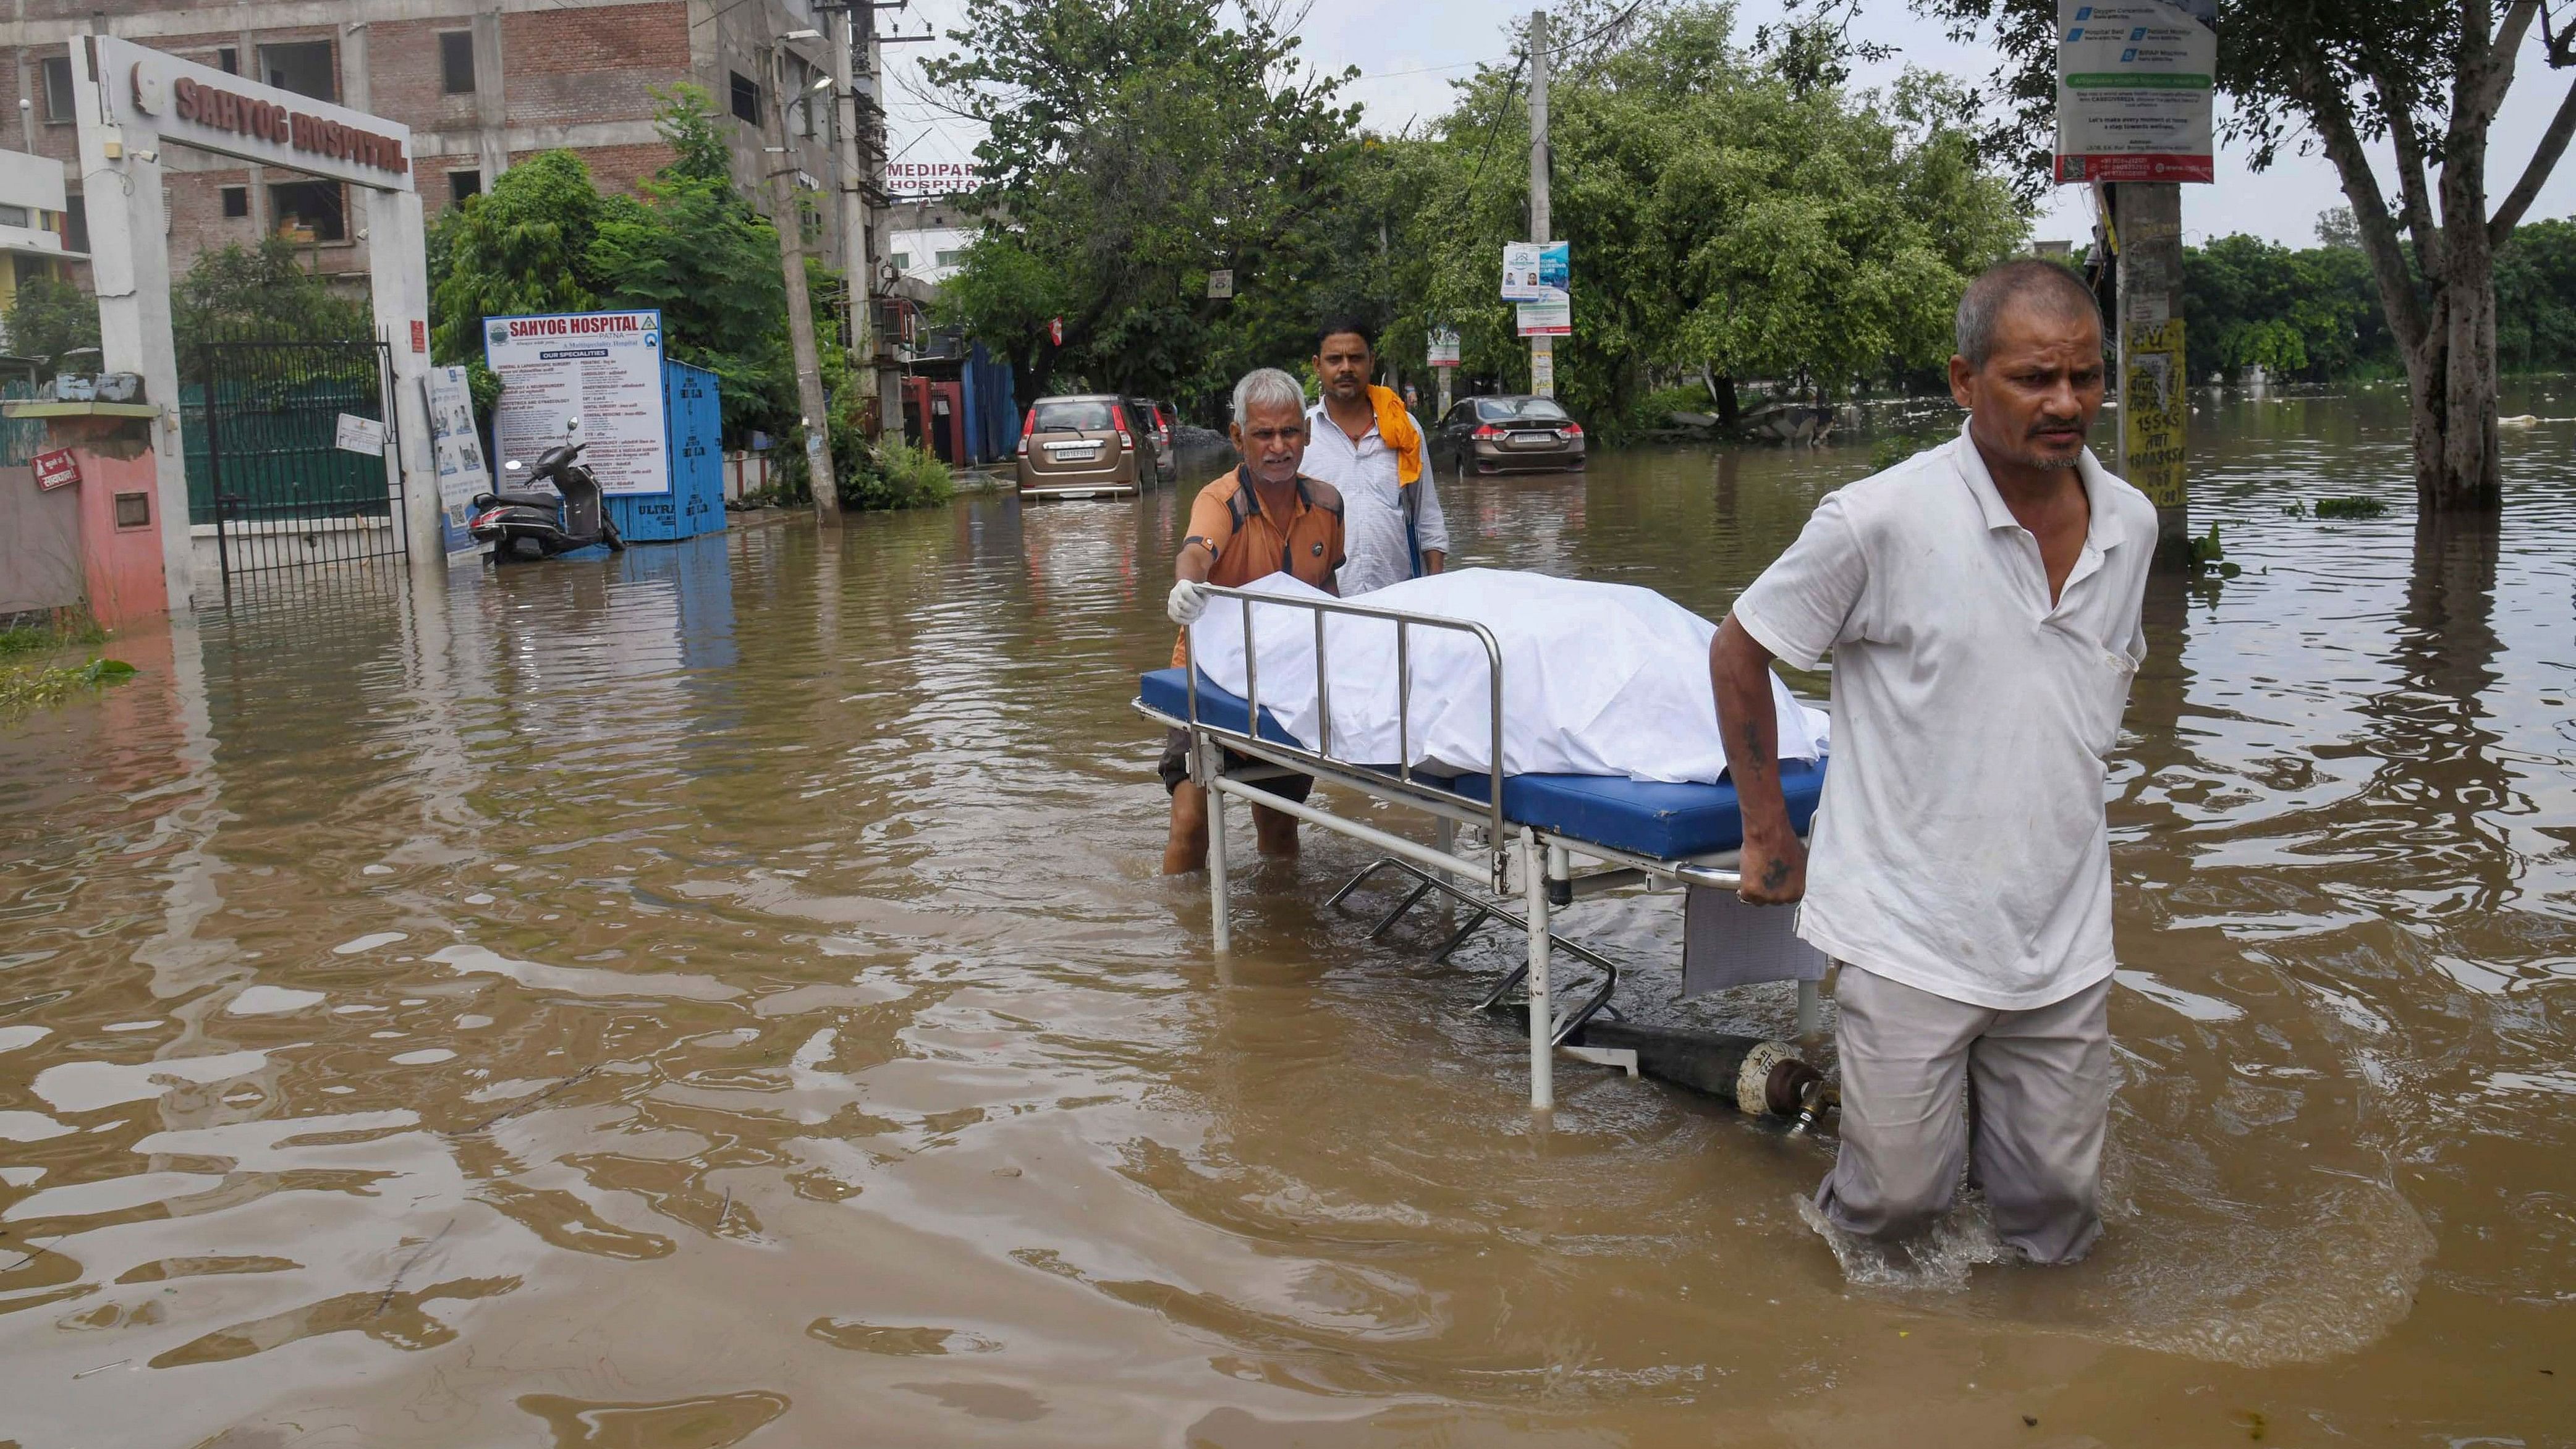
(787, 218)
(1542, 349)
(2155, 396)
(852, 151)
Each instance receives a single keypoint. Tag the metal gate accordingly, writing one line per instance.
(264, 463)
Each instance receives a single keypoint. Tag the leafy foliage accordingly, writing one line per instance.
(2422, 78)
(2307, 314)
(50, 318)
(1724, 212)
(544, 239)
(1134, 146)
(262, 293)
(1730, 210)
(890, 475)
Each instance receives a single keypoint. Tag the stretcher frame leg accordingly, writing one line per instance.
(1535, 866)
(1220, 928)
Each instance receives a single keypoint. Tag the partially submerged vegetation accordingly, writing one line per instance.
(37, 684)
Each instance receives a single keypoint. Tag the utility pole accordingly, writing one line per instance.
(1542, 349)
(852, 147)
(787, 218)
(2155, 395)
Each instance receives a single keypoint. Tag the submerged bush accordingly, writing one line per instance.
(888, 476)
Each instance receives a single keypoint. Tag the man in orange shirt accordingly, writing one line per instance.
(1263, 518)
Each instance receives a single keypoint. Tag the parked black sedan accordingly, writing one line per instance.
(1512, 433)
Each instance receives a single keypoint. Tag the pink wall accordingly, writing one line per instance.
(123, 565)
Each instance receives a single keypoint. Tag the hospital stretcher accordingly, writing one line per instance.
(1640, 833)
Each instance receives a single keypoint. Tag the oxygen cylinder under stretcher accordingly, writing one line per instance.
(1761, 1076)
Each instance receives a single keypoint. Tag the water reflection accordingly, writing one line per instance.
(725, 991)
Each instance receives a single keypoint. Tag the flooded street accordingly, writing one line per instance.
(725, 994)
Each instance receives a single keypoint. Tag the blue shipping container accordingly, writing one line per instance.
(693, 426)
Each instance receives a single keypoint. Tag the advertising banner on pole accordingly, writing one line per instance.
(1444, 347)
(2135, 81)
(458, 449)
(601, 369)
(1554, 318)
(1540, 277)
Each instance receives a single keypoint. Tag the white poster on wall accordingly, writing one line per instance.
(603, 368)
(458, 449)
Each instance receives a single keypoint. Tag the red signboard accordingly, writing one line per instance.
(57, 469)
(419, 335)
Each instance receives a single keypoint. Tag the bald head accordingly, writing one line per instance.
(2051, 291)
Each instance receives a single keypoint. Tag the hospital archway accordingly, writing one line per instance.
(131, 101)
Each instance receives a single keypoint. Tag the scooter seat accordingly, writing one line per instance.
(545, 501)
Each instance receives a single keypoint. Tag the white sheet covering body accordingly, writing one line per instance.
(1598, 679)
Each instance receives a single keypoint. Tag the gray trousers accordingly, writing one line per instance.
(2042, 1088)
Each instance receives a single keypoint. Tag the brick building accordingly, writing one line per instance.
(483, 85)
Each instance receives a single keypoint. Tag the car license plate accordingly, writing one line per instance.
(1532, 440)
(1073, 452)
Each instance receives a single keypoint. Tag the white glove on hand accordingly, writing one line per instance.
(1188, 601)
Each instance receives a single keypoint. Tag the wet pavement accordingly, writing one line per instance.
(724, 994)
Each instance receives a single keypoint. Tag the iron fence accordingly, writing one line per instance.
(264, 465)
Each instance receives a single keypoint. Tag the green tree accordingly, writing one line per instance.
(1729, 213)
(544, 239)
(2295, 313)
(50, 318)
(1131, 148)
(2411, 86)
(522, 246)
(694, 247)
(262, 293)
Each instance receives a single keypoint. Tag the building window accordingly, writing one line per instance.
(228, 60)
(746, 97)
(58, 91)
(456, 60)
(15, 216)
(952, 259)
(75, 223)
(462, 184)
(902, 261)
(236, 201)
(303, 67)
(310, 211)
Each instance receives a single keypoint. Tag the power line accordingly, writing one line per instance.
(1510, 88)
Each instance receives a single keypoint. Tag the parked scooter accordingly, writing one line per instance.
(533, 525)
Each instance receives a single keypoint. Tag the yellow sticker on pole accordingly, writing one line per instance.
(2155, 409)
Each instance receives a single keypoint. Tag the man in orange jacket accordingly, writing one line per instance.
(1365, 444)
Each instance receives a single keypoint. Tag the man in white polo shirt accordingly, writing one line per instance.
(1981, 602)
(1365, 443)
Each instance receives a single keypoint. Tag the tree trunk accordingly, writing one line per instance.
(1721, 391)
(2458, 466)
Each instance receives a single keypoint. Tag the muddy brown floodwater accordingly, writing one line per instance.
(724, 994)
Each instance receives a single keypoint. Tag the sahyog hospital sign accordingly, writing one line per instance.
(216, 111)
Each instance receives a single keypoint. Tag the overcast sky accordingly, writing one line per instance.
(1409, 53)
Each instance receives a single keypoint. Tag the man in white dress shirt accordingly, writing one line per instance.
(1366, 444)
(1981, 602)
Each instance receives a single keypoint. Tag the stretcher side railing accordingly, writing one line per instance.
(1546, 875)
(1249, 742)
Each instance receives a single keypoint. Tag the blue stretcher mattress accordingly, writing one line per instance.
(1649, 818)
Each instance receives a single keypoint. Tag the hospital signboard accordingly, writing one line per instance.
(2135, 87)
(600, 369)
(218, 111)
